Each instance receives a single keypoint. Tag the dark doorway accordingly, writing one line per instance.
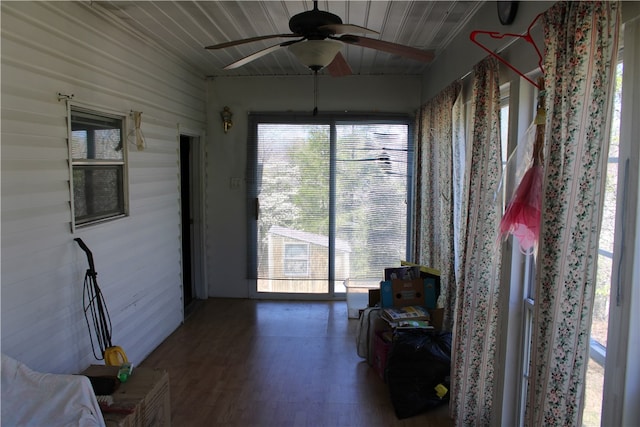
(187, 220)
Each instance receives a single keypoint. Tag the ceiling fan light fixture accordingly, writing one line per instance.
(316, 54)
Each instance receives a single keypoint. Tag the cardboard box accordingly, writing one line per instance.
(374, 297)
(401, 293)
(436, 315)
(427, 272)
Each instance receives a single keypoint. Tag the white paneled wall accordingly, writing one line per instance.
(227, 223)
(75, 49)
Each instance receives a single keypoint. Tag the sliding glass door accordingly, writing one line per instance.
(328, 202)
(292, 203)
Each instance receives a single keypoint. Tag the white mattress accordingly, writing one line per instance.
(34, 399)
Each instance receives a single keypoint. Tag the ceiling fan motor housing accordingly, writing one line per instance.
(308, 24)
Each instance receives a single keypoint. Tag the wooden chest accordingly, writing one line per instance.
(145, 395)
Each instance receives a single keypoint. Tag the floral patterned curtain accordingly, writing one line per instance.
(424, 205)
(581, 40)
(460, 186)
(476, 326)
(434, 206)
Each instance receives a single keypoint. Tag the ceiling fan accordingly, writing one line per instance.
(319, 36)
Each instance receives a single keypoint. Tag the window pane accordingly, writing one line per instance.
(296, 260)
(293, 191)
(97, 192)
(600, 317)
(605, 247)
(371, 198)
(95, 137)
(98, 165)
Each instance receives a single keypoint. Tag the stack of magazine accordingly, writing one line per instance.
(409, 317)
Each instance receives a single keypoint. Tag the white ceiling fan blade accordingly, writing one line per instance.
(249, 40)
(254, 56)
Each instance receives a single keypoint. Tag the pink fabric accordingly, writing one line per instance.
(522, 217)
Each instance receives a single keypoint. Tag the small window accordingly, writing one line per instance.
(296, 259)
(98, 166)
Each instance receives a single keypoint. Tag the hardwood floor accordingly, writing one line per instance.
(237, 362)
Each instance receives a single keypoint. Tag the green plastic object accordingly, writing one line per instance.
(125, 372)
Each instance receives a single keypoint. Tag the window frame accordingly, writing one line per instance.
(85, 163)
(622, 374)
(621, 330)
(518, 271)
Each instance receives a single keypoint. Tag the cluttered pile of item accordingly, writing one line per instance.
(401, 336)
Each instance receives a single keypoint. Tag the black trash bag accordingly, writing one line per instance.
(418, 369)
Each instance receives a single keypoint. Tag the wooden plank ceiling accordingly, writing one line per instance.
(184, 28)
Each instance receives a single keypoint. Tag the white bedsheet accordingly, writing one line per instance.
(34, 399)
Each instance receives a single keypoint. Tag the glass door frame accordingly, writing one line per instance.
(333, 120)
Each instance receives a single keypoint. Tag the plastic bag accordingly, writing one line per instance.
(418, 370)
(365, 332)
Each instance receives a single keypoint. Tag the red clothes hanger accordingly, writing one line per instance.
(527, 37)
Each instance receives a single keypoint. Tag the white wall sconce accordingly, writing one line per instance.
(226, 116)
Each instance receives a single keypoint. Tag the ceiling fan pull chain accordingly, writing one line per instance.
(315, 92)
